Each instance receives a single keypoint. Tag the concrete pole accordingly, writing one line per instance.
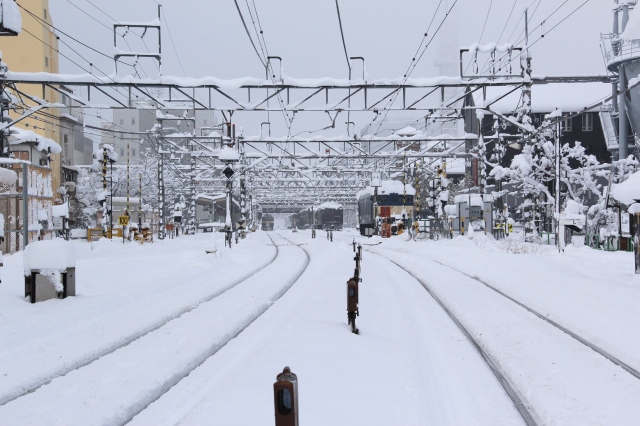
(25, 205)
(623, 131)
(559, 228)
(614, 88)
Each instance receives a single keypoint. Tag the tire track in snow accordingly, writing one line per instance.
(141, 333)
(509, 389)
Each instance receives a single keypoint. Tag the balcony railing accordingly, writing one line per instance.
(618, 50)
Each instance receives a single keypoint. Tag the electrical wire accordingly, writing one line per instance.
(249, 34)
(414, 61)
(484, 27)
(344, 45)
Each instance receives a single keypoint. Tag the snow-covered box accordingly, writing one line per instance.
(49, 270)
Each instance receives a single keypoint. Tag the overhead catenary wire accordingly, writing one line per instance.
(244, 24)
(344, 44)
(415, 61)
(555, 11)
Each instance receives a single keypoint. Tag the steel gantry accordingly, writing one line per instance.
(273, 171)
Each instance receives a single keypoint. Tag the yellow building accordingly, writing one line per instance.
(35, 49)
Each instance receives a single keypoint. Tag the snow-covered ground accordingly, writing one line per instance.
(151, 337)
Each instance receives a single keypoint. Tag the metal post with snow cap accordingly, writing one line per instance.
(285, 398)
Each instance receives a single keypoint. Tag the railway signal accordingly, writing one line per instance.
(285, 398)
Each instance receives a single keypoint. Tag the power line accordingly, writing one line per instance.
(485, 22)
(414, 61)
(249, 34)
(172, 43)
(344, 45)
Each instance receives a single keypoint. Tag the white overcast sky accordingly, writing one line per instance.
(211, 41)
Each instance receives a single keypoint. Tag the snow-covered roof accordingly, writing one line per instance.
(388, 187)
(329, 205)
(214, 197)
(10, 18)
(19, 135)
(408, 131)
(628, 191)
(545, 98)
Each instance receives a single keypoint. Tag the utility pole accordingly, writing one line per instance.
(191, 224)
(161, 186)
(623, 130)
(558, 228)
(104, 191)
(243, 188)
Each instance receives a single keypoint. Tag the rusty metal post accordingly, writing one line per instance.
(285, 398)
(352, 304)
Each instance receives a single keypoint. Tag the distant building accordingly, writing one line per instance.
(36, 53)
(77, 148)
(130, 125)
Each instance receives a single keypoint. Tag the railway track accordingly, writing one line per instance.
(504, 382)
(575, 336)
(154, 342)
(510, 335)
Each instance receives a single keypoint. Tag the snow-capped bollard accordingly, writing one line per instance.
(285, 398)
(49, 270)
(352, 304)
(211, 246)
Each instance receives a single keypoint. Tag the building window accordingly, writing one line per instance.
(133, 121)
(205, 122)
(587, 122)
(567, 125)
(122, 151)
(121, 121)
(134, 152)
(46, 61)
(66, 139)
(45, 14)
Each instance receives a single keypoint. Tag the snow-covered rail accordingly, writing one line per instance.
(580, 339)
(509, 389)
(122, 383)
(557, 376)
(41, 378)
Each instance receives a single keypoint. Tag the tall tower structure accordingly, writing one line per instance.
(35, 49)
(623, 61)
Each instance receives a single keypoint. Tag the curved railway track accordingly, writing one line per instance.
(580, 339)
(506, 385)
(148, 335)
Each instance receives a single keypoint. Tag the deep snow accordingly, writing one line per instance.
(410, 365)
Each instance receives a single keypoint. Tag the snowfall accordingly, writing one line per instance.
(167, 334)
